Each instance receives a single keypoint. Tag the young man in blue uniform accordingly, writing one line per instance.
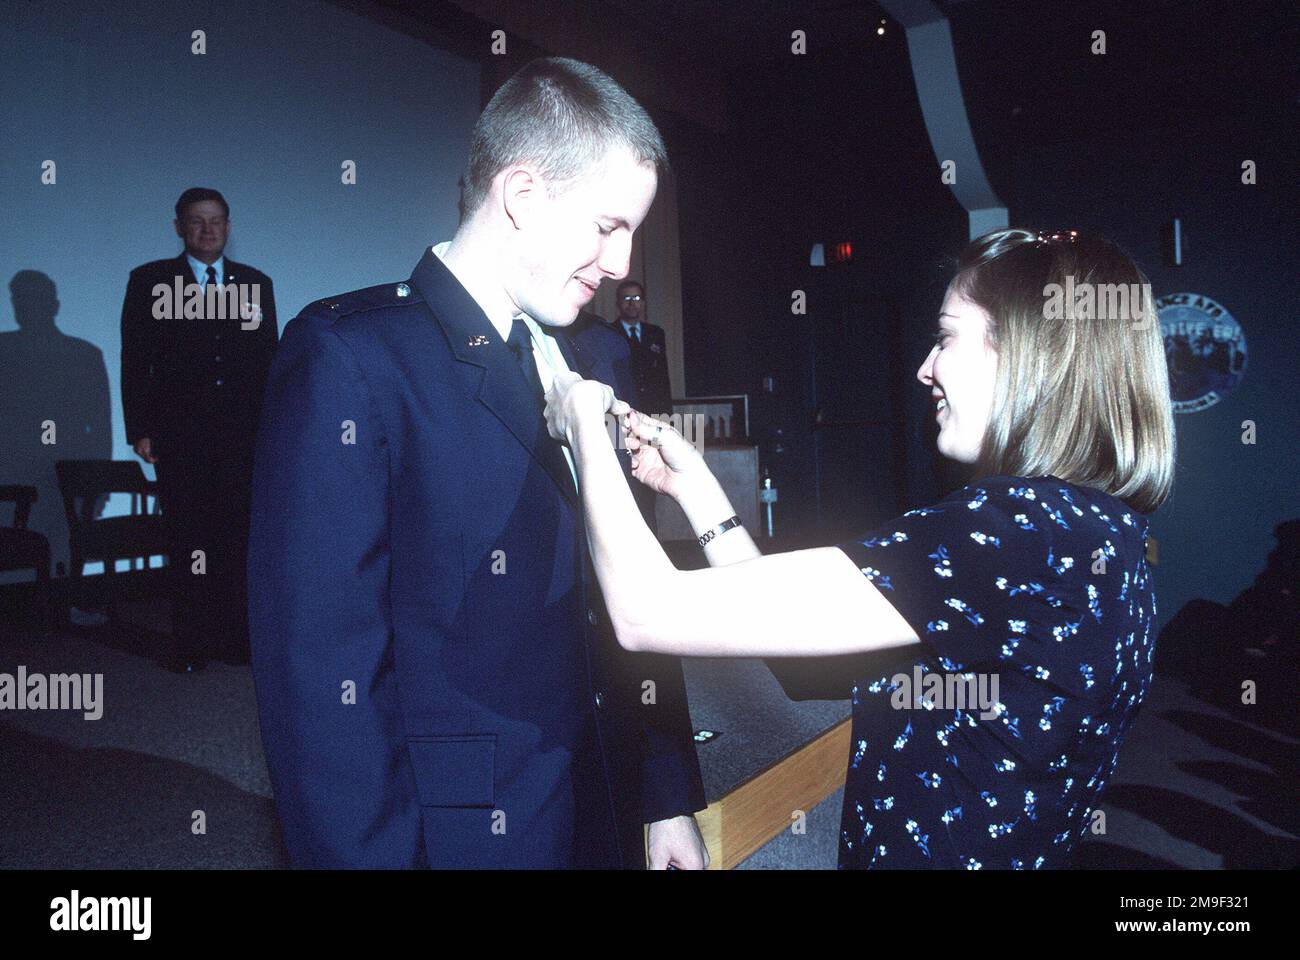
(436, 677)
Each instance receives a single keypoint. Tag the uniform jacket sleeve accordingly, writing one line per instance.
(320, 614)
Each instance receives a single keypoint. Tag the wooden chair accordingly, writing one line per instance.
(139, 534)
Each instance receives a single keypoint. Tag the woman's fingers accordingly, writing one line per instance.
(648, 429)
(630, 440)
(668, 446)
(563, 382)
(656, 433)
(571, 399)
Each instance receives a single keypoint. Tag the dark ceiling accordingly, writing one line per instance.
(1018, 59)
(1028, 73)
(741, 32)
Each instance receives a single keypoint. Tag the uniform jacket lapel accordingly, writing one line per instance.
(502, 389)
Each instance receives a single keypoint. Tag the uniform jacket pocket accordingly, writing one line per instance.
(454, 771)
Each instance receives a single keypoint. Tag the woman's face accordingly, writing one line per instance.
(961, 371)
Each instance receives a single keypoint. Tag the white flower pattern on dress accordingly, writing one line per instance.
(997, 591)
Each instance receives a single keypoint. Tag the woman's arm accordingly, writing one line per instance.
(805, 603)
(663, 460)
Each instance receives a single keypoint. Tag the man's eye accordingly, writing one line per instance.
(603, 231)
(939, 338)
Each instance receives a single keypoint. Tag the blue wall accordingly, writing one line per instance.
(1121, 143)
(285, 93)
(1241, 251)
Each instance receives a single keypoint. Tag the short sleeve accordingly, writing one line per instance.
(969, 573)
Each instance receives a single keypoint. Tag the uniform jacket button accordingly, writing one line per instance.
(403, 290)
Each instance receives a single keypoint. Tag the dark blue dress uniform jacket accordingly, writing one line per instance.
(193, 381)
(437, 682)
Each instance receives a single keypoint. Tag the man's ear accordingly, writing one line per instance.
(522, 193)
(180, 231)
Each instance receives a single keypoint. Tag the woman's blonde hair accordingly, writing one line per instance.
(1082, 390)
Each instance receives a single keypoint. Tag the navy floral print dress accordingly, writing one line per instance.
(1041, 586)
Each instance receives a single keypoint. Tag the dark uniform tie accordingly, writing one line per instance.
(521, 345)
(212, 279)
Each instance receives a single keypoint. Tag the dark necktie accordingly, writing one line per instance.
(635, 334)
(521, 345)
(212, 279)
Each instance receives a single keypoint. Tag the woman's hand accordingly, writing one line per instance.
(662, 458)
(573, 402)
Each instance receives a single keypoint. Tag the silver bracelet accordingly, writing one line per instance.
(723, 527)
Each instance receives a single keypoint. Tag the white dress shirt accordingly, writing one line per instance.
(201, 271)
(546, 352)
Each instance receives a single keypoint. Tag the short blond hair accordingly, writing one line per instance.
(564, 116)
(1084, 397)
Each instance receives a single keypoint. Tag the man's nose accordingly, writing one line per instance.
(616, 257)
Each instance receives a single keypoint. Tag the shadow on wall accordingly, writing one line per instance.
(54, 403)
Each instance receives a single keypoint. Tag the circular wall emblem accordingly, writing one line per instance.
(1205, 348)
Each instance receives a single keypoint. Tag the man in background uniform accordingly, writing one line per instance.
(191, 397)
